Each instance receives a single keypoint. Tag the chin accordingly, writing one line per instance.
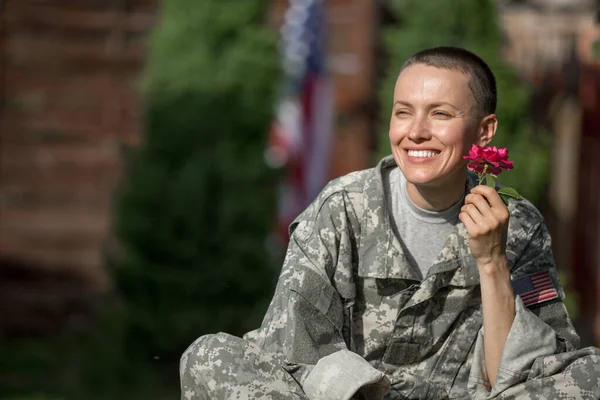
(431, 179)
(420, 179)
(425, 182)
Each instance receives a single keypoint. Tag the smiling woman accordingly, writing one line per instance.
(435, 119)
(394, 274)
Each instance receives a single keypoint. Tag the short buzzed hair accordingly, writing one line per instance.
(481, 78)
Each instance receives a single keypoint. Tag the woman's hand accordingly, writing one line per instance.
(486, 218)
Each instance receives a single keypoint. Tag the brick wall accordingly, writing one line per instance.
(68, 104)
(68, 74)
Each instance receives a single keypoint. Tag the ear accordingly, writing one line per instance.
(486, 130)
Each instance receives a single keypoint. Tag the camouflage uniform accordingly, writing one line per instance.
(350, 315)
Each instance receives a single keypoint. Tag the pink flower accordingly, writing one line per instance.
(495, 158)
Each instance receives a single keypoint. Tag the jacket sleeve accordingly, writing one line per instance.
(537, 331)
(305, 320)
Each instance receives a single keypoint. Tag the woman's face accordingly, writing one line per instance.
(433, 124)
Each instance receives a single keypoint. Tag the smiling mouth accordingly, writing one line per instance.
(422, 153)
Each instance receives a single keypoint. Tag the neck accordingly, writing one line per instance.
(439, 197)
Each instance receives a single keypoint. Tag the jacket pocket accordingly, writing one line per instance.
(319, 292)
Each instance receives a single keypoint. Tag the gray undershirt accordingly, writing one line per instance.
(422, 233)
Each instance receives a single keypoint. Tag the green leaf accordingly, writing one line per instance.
(510, 192)
(504, 199)
(490, 180)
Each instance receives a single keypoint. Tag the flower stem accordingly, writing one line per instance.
(482, 176)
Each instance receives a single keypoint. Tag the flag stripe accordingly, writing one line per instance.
(539, 273)
(540, 298)
(545, 285)
(544, 293)
(541, 280)
(537, 293)
(304, 117)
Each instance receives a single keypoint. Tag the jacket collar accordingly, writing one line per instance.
(380, 252)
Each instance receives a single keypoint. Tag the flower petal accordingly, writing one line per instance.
(494, 170)
(507, 164)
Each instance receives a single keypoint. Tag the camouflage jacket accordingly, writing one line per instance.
(346, 290)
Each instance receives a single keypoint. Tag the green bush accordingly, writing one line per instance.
(195, 214)
(472, 24)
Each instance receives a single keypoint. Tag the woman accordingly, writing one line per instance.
(393, 275)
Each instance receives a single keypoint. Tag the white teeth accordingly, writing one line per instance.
(422, 153)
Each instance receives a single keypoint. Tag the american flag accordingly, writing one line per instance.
(535, 288)
(301, 133)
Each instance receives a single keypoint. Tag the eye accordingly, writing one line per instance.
(401, 113)
(442, 114)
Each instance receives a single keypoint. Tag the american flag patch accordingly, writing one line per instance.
(535, 288)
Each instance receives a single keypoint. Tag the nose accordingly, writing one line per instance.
(419, 130)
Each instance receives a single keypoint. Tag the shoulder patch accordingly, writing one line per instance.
(535, 288)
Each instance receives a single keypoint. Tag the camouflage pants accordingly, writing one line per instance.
(223, 367)
(574, 375)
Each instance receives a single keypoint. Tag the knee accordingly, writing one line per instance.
(195, 367)
(198, 352)
(205, 350)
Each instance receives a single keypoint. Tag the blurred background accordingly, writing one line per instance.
(152, 154)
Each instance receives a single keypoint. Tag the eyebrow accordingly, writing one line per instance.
(432, 105)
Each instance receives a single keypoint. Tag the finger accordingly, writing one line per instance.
(473, 212)
(472, 228)
(491, 195)
(481, 203)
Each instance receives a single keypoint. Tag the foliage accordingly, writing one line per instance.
(472, 24)
(194, 217)
(191, 219)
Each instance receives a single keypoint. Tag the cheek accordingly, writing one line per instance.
(454, 136)
(397, 130)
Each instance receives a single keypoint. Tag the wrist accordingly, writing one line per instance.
(494, 268)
